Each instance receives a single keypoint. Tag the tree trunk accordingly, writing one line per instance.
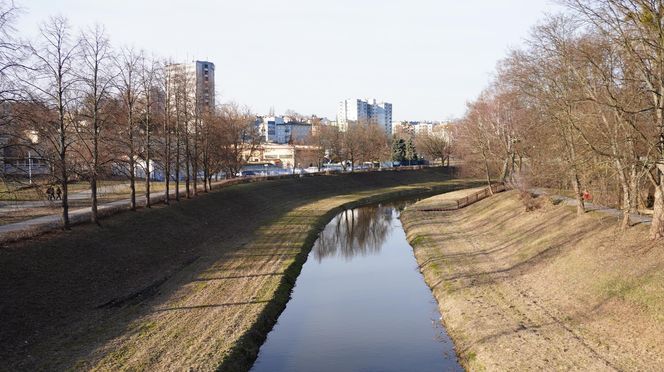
(177, 162)
(132, 183)
(167, 160)
(487, 172)
(65, 183)
(195, 157)
(657, 226)
(93, 195)
(505, 172)
(93, 179)
(206, 170)
(626, 206)
(578, 193)
(187, 165)
(147, 157)
(625, 188)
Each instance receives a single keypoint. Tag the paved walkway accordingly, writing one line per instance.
(35, 226)
(635, 218)
(19, 205)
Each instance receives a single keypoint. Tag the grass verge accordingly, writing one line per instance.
(542, 290)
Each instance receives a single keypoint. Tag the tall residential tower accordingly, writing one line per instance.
(365, 112)
(200, 81)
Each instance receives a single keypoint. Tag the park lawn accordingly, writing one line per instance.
(19, 192)
(542, 290)
(196, 285)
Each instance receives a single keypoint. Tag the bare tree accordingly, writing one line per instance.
(11, 53)
(177, 80)
(374, 144)
(166, 79)
(475, 137)
(51, 84)
(638, 28)
(435, 145)
(129, 85)
(238, 137)
(149, 74)
(97, 79)
(544, 75)
(352, 143)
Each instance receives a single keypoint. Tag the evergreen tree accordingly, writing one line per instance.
(410, 152)
(398, 150)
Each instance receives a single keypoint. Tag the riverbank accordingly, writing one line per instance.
(542, 290)
(196, 285)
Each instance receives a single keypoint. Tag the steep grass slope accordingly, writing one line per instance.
(543, 290)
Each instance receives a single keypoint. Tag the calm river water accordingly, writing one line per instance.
(360, 304)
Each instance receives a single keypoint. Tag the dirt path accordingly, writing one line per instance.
(542, 290)
(197, 285)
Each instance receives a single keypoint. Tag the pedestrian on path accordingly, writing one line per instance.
(49, 193)
(586, 196)
(58, 193)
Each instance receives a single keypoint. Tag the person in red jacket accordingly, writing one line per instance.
(586, 196)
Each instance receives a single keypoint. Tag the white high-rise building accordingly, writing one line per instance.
(361, 111)
(381, 114)
(200, 81)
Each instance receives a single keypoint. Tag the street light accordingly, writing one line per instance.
(30, 167)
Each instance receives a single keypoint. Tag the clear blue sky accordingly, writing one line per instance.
(426, 57)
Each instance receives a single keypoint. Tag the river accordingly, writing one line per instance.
(360, 304)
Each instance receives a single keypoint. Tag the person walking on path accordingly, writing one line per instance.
(49, 193)
(586, 196)
(58, 193)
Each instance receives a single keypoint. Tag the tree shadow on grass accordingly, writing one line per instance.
(51, 288)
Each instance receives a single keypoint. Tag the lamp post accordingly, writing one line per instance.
(30, 167)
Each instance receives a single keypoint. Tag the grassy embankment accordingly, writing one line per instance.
(195, 285)
(542, 290)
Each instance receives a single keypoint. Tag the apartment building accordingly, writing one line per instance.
(361, 111)
(199, 78)
(279, 129)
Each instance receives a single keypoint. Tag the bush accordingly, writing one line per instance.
(530, 201)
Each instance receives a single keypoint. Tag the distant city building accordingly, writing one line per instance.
(364, 112)
(280, 129)
(293, 132)
(200, 80)
(267, 127)
(282, 155)
(419, 127)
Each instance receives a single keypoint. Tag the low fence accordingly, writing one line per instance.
(470, 199)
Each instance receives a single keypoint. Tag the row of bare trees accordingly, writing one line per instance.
(359, 143)
(90, 111)
(581, 106)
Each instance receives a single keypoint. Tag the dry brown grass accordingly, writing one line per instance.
(196, 285)
(543, 290)
(19, 215)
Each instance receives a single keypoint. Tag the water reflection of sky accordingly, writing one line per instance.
(359, 304)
